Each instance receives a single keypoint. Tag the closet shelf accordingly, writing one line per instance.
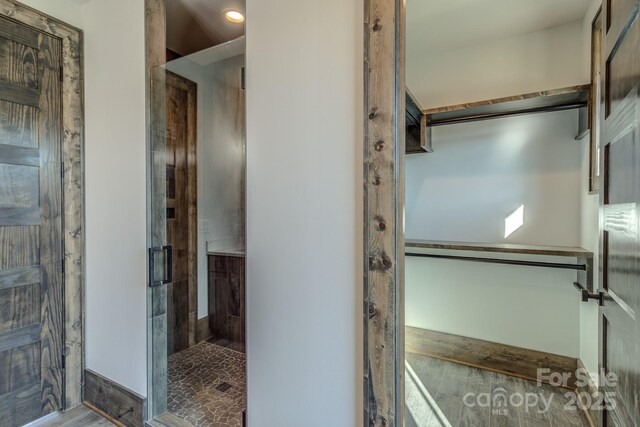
(500, 248)
(537, 102)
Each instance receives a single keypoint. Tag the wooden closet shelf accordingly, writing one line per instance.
(535, 102)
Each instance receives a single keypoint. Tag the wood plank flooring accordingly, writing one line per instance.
(442, 393)
(80, 416)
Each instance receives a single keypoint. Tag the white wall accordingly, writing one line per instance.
(528, 307)
(116, 294)
(304, 236)
(223, 157)
(477, 175)
(480, 172)
(531, 62)
(68, 11)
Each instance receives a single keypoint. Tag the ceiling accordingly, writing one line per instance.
(436, 25)
(194, 25)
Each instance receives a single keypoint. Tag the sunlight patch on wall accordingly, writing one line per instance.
(513, 221)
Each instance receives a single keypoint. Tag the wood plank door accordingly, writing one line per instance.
(31, 252)
(182, 218)
(620, 241)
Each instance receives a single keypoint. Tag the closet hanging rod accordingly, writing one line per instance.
(578, 267)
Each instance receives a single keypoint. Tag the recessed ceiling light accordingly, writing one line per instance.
(234, 16)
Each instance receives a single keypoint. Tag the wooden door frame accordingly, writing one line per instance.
(384, 148)
(73, 187)
(157, 358)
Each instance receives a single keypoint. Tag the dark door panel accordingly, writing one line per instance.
(31, 252)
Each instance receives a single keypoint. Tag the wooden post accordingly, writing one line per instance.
(384, 212)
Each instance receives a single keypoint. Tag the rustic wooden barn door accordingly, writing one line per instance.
(620, 241)
(31, 252)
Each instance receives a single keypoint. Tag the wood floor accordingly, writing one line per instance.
(80, 416)
(441, 393)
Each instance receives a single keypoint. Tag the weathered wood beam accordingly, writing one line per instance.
(383, 222)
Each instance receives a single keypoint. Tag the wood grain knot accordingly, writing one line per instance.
(381, 224)
(386, 262)
(379, 146)
(373, 310)
(376, 180)
(373, 113)
(380, 264)
(376, 26)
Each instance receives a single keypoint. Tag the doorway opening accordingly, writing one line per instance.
(502, 232)
(197, 215)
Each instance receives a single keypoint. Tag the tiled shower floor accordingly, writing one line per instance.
(207, 386)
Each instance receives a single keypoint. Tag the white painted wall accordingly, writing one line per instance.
(535, 308)
(481, 172)
(477, 175)
(541, 60)
(68, 11)
(116, 293)
(304, 236)
(223, 158)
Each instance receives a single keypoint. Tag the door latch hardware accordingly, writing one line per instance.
(585, 295)
(168, 263)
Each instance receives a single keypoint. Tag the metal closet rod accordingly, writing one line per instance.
(579, 267)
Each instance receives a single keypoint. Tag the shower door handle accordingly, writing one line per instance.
(168, 265)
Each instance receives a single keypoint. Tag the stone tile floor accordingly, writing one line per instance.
(207, 386)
